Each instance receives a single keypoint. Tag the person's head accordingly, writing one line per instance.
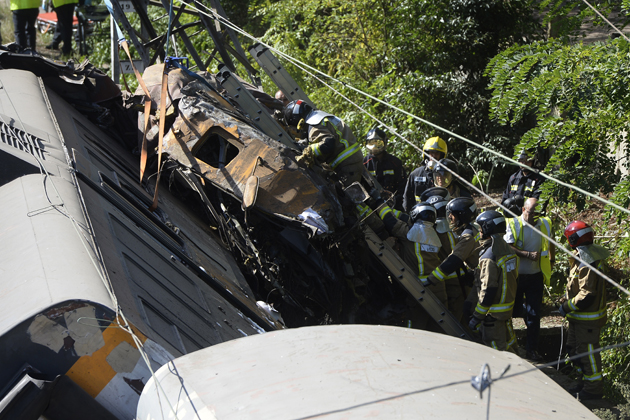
(439, 191)
(282, 98)
(514, 204)
(491, 222)
(578, 233)
(439, 204)
(443, 173)
(436, 148)
(526, 157)
(295, 111)
(530, 215)
(461, 211)
(376, 141)
(423, 212)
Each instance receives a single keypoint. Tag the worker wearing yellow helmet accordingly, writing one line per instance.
(422, 178)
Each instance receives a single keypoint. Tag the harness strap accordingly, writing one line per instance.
(161, 135)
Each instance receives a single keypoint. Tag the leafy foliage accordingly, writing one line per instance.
(580, 102)
(616, 362)
(426, 58)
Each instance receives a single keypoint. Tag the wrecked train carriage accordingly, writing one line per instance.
(301, 249)
(84, 263)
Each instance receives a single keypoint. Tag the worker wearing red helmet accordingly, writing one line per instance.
(585, 308)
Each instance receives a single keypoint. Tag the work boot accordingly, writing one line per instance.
(585, 395)
(575, 389)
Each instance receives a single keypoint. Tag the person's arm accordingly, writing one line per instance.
(409, 194)
(588, 291)
(530, 255)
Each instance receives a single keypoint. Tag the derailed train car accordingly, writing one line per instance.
(98, 291)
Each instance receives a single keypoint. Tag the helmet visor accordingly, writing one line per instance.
(443, 179)
(375, 146)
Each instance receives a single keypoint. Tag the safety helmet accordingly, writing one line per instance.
(436, 144)
(514, 204)
(439, 204)
(526, 154)
(296, 111)
(376, 141)
(423, 212)
(445, 169)
(463, 208)
(579, 233)
(491, 222)
(430, 192)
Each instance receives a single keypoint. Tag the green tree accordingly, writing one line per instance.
(425, 57)
(580, 100)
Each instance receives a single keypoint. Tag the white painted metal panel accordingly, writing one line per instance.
(348, 372)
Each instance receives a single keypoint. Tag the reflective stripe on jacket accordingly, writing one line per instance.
(345, 144)
(583, 281)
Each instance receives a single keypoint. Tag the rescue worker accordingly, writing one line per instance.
(422, 178)
(455, 283)
(460, 213)
(443, 177)
(535, 258)
(63, 30)
(386, 168)
(25, 14)
(585, 308)
(495, 285)
(524, 182)
(420, 246)
(282, 98)
(330, 141)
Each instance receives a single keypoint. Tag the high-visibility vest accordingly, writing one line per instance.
(516, 225)
(25, 4)
(57, 3)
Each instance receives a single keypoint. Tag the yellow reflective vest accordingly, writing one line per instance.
(25, 4)
(57, 3)
(516, 226)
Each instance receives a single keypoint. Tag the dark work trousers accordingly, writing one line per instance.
(532, 286)
(63, 31)
(24, 27)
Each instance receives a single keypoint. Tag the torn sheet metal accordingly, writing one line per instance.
(227, 152)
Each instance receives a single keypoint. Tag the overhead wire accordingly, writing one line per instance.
(214, 15)
(305, 68)
(607, 21)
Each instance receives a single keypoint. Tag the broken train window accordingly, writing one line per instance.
(215, 149)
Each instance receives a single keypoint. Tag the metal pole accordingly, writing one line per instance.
(115, 63)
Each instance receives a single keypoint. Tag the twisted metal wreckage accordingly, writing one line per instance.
(225, 235)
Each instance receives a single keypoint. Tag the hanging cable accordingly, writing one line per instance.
(305, 67)
(212, 14)
(606, 20)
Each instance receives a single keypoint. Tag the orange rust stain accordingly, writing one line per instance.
(93, 373)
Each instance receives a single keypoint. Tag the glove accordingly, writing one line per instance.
(474, 323)
(307, 158)
(564, 309)
(426, 281)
